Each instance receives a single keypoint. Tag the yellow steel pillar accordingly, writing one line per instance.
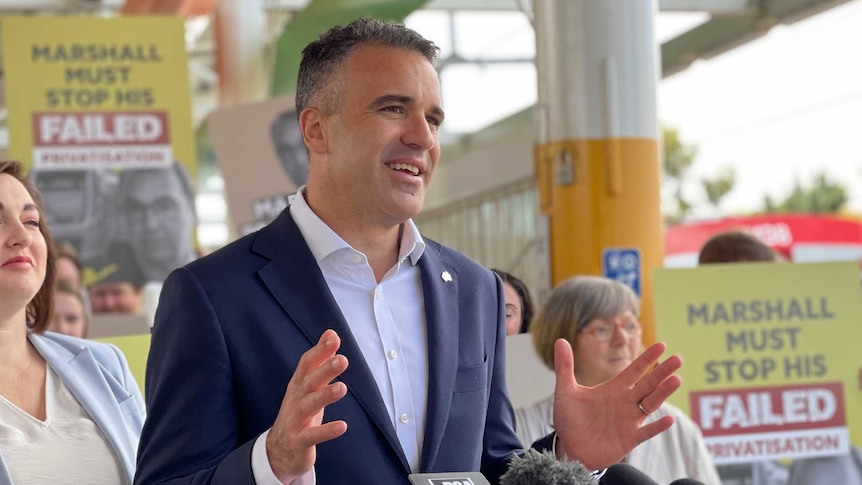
(597, 156)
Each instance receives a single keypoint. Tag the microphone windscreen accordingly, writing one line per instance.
(686, 481)
(623, 474)
(535, 468)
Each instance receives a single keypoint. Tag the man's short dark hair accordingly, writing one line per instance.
(322, 58)
(734, 247)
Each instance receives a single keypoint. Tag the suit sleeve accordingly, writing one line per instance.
(500, 441)
(190, 435)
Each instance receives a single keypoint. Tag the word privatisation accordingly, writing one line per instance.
(102, 157)
(825, 443)
(100, 128)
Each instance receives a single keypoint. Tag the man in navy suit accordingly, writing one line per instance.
(338, 345)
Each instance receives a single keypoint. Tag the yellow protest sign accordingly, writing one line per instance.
(99, 111)
(771, 356)
(135, 348)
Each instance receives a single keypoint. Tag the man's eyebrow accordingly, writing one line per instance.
(389, 99)
(402, 99)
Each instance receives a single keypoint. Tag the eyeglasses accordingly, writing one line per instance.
(605, 330)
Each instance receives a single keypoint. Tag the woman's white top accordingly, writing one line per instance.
(65, 448)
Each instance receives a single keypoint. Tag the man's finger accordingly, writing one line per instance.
(326, 347)
(658, 376)
(315, 435)
(633, 373)
(564, 364)
(652, 429)
(323, 374)
(315, 402)
(657, 397)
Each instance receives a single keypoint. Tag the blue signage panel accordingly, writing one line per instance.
(624, 265)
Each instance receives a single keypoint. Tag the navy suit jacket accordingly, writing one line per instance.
(229, 332)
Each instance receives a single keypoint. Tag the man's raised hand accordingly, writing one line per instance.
(299, 428)
(600, 425)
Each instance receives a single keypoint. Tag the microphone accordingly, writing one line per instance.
(624, 474)
(535, 468)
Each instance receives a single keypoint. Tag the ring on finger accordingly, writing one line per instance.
(641, 408)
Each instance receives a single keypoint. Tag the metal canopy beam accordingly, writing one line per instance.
(721, 34)
(713, 7)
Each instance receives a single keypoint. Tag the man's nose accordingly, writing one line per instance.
(419, 133)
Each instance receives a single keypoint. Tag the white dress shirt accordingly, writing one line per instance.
(386, 319)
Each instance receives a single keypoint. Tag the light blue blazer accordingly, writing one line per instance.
(98, 376)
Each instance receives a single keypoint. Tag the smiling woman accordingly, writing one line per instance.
(63, 416)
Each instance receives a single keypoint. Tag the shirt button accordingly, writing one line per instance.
(393, 354)
(357, 258)
(378, 294)
(404, 419)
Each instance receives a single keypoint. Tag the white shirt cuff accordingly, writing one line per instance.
(262, 471)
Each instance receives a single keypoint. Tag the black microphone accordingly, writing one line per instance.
(535, 468)
(686, 481)
(623, 474)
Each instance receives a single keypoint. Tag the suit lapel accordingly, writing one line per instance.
(295, 281)
(80, 372)
(440, 289)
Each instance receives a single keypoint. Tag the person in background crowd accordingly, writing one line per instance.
(340, 310)
(519, 305)
(734, 246)
(68, 265)
(70, 311)
(116, 297)
(70, 410)
(120, 288)
(599, 318)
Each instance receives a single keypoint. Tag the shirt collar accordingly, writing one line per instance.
(323, 241)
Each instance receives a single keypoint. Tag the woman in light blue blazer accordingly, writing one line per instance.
(70, 410)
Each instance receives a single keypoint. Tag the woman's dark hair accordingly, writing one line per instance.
(42, 305)
(523, 294)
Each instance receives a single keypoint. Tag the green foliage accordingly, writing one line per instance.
(678, 159)
(823, 196)
(718, 187)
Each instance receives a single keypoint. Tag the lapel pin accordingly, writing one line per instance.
(446, 277)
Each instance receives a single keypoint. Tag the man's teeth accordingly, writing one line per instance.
(403, 166)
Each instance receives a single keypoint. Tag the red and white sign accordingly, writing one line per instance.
(800, 238)
(101, 139)
(796, 421)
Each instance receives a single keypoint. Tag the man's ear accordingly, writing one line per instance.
(312, 123)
